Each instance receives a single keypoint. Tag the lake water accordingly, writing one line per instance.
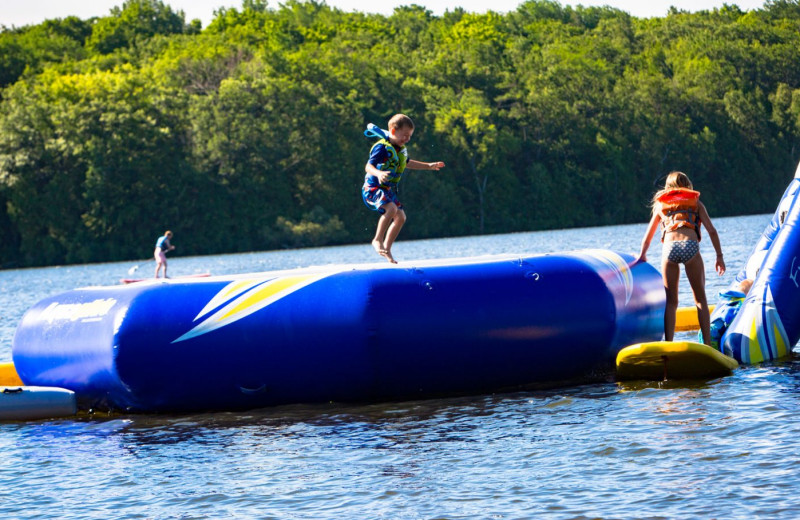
(724, 448)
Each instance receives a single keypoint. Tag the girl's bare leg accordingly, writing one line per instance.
(670, 273)
(696, 273)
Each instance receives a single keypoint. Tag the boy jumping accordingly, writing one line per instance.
(388, 159)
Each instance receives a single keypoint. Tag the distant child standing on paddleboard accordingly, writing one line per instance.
(678, 209)
(388, 159)
(162, 246)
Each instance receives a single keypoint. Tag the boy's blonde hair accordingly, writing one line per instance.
(399, 121)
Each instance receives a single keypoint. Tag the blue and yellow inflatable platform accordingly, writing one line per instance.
(341, 333)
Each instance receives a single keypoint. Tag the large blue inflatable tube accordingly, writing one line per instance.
(768, 324)
(341, 333)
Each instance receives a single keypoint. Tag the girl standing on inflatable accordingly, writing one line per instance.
(679, 211)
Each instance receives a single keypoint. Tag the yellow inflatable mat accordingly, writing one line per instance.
(663, 360)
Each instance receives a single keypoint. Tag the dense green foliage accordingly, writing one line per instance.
(247, 134)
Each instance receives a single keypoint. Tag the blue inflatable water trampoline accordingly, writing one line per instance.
(341, 333)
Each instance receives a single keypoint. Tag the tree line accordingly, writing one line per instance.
(248, 134)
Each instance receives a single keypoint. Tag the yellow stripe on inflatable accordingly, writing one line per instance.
(780, 344)
(756, 356)
(232, 290)
(8, 375)
(686, 318)
(662, 360)
(267, 290)
(249, 302)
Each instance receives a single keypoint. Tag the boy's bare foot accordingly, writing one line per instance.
(376, 244)
(388, 255)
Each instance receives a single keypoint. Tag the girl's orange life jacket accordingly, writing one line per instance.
(679, 209)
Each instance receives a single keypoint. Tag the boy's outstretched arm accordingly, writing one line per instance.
(419, 165)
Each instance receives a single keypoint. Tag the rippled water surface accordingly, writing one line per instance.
(723, 448)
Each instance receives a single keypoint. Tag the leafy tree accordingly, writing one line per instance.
(136, 20)
(33, 47)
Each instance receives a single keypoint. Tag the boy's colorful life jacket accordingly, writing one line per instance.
(679, 207)
(396, 163)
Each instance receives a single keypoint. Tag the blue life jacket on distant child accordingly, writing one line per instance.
(163, 243)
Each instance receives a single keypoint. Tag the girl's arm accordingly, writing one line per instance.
(719, 264)
(418, 165)
(655, 220)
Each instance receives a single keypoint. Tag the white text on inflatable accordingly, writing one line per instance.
(89, 311)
